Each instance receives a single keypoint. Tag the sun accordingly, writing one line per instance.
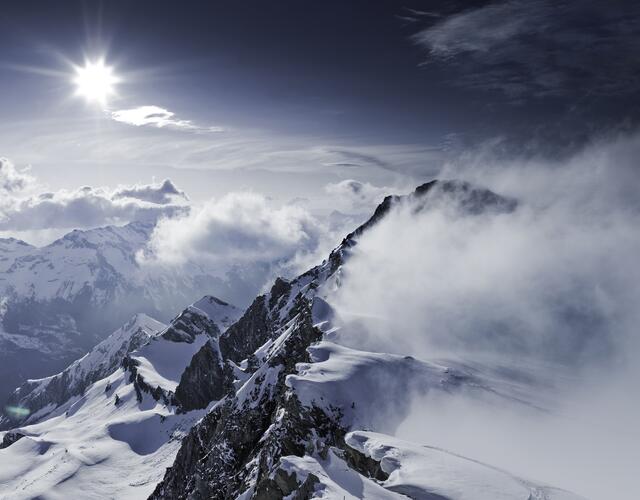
(95, 81)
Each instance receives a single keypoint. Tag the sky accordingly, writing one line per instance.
(291, 99)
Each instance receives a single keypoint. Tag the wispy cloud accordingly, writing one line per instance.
(155, 116)
(541, 47)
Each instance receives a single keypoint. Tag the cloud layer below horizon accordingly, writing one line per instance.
(25, 206)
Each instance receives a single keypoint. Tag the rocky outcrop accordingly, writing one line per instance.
(210, 374)
(9, 438)
(239, 441)
(207, 378)
(188, 324)
(141, 386)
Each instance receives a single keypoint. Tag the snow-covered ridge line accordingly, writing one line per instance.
(37, 398)
(425, 472)
(291, 400)
(123, 425)
(306, 393)
(60, 300)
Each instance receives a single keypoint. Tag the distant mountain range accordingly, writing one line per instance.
(269, 403)
(58, 301)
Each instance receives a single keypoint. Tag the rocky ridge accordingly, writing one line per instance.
(240, 447)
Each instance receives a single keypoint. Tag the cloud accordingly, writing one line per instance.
(86, 206)
(163, 194)
(357, 159)
(554, 278)
(239, 228)
(548, 293)
(356, 195)
(155, 116)
(13, 180)
(540, 47)
(492, 25)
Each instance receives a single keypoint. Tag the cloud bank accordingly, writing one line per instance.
(550, 290)
(24, 208)
(238, 229)
(81, 208)
(555, 278)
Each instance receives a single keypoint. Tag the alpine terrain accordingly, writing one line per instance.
(273, 402)
(57, 302)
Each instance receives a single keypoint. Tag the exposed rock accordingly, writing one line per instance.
(204, 380)
(10, 438)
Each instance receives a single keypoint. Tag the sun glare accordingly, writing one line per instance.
(95, 82)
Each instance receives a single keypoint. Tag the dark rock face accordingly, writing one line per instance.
(284, 484)
(237, 446)
(210, 374)
(10, 438)
(250, 331)
(231, 448)
(188, 324)
(207, 378)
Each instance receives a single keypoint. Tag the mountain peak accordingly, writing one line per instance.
(217, 310)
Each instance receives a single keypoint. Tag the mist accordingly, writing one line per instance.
(550, 290)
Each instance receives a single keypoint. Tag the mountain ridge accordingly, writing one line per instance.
(296, 414)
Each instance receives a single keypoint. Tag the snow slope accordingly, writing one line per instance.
(96, 449)
(41, 396)
(121, 426)
(427, 472)
(302, 412)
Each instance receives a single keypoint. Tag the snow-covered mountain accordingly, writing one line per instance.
(58, 301)
(35, 399)
(122, 426)
(279, 405)
(289, 429)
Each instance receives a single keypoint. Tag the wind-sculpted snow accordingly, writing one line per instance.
(432, 473)
(373, 390)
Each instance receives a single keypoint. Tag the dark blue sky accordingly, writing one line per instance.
(326, 68)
